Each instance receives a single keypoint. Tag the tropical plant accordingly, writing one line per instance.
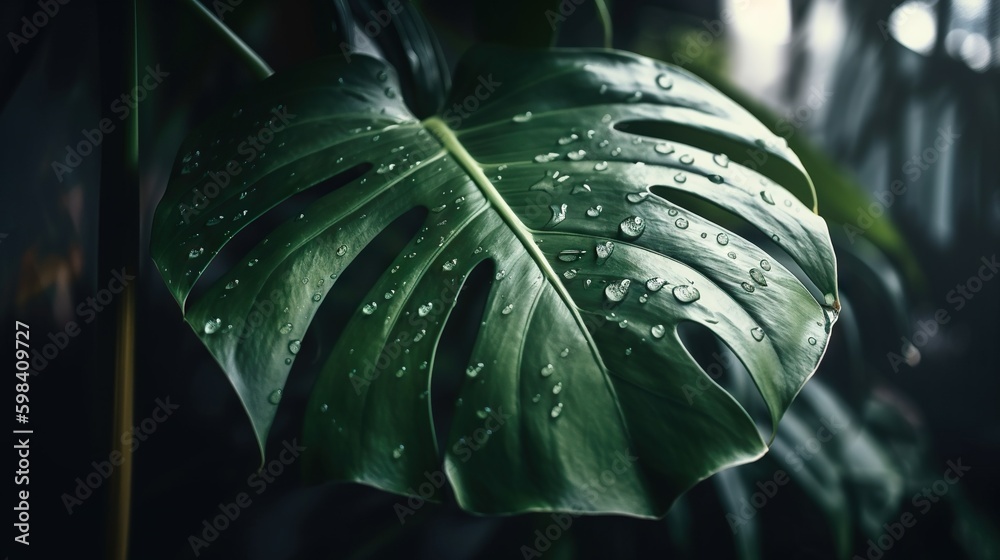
(593, 184)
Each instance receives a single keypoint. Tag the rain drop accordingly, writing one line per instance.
(601, 166)
(766, 196)
(285, 328)
(681, 223)
(686, 293)
(665, 81)
(658, 331)
(557, 388)
(570, 274)
(369, 308)
(758, 277)
(522, 118)
(426, 308)
(547, 370)
(342, 250)
(594, 211)
(765, 264)
(507, 309)
(617, 291)
(294, 346)
(558, 214)
(556, 410)
(687, 159)
(274, 397)
(664, 148)
(604, 251)
(654, 284)
(449, 265)
(195, 253)
(748, 287)
(212, 325)
(757, 333)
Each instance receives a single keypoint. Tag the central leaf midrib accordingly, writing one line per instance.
(471, 166)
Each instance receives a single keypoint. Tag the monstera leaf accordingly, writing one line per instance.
(558, 167)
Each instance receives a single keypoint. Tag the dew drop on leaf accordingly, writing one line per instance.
(571, 255)
(274, 397)
(398, 452)
(812, 341)
(212, 325)
(195, 253)
(294, 346)
(449, 265)
(664, 148)
(557, 388)
(748, 287)
(687, 159)
(424, 309)
(665, 81)
(765, 264)
(722, 160)
(766, 196)
(632, 227)
(681, 223)
(369, 308)
(654, 284)
(558, 214)
(604, 251)
(285, 328)
(757, 333)
(342, 250)
(507, 309)
(556, 410)
(601, 166)
(758, 277)
(522, 118)
(686, 293)
(232, 284)
(594, 211)
(570, 274)
(547, 370)
(680, 178)
(617, 291)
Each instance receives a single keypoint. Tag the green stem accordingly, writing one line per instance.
(253, 60)
(605, 16)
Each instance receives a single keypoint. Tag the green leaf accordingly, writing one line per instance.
(578, 354)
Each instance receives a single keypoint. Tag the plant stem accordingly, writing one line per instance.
(252, 59)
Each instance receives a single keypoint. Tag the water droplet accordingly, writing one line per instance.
(547, 370)
(401, 372)
(294, 346)
(604, 251)
(680, 178)
(564, 353)
(594, 211)
(568, 139)
(654, 284)
(274, 397)
(571, 255)
(617, 291)
(195, 253)
(586, 283)
(578, 189)
(342, 250)
(812, 341)
(758, 277)
(731, 255)
(324, 407)
(398, 452)
(522, 118)
(632, 227)
(628, 351)
(557, 388)
(601, 166)
(232, 284)
(717, 179)
(214, 221)
(637, 197)
(722, 160)
(757, 333)
(643, 298)
(556, 410)
(317, 297)
(722, 238)
(766, 196)
(687, 159)
(288, 361)
(658, 331)
(570, 274)
(616, 152)
(369, 308)
(748, 287)
(681, 223)
(765, 264)
(558, 214)
(686, 293)
(450, 265)
(775, 238)
(536, 398)
(285, 328)
(623, 324)
(577, 155)
(424, 309)
(664, 148)
(212, 325)
(545, 158)
(665, 81)
(507, 309)
(473, 371)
